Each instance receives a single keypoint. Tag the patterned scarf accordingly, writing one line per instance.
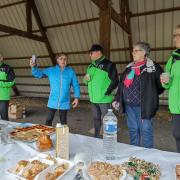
(135, 70)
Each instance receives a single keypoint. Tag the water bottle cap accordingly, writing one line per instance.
(58, 125)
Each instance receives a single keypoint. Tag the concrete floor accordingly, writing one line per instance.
(80, 122)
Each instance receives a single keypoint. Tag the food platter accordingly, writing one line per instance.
(138, 168)
(41, 167)
(99, 170)
(30, 133)
(29, 169)
(57, 171)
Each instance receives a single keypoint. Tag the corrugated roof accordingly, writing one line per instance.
(68, 31)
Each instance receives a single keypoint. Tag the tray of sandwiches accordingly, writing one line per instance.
(41, 167)
(30, 133)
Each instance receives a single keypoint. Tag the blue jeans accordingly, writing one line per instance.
(140, 130)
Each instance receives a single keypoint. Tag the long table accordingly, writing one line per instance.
(10, 154)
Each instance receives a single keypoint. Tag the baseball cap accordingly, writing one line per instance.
(96, 47)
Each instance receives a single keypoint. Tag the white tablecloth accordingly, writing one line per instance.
(10, 154)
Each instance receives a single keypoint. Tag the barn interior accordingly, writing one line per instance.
(46, 28)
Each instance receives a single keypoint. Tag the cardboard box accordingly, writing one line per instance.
(62, 141)
(15, 111)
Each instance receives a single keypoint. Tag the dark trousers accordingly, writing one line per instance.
(51, 113)
(176, 130)
(4, 109)
(99, 111)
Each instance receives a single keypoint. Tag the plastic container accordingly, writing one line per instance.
(109, 135)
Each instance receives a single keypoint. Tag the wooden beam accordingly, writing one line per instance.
(60, 25)
(119, 20)
(127, 15)
(120, 49)
(6, 35)
(122, 8)
(43, 32)
(46, 85)
(105, 29)
(30, 84)
(155, 11)
(34, 92)
(29, 16)
(163, 48)
(47, 93)
(70, 23)
(24, 76)
(18, 32)
(11, 4)
(102, 4)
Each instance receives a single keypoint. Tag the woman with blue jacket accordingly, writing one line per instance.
(61, 78)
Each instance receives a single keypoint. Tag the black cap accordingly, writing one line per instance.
(96, 47)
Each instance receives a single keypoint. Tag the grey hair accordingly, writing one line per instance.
(144, 46)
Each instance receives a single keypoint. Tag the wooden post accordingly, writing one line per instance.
(105, 28)
(127, 14)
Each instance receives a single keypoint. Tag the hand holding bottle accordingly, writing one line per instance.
(33, 61)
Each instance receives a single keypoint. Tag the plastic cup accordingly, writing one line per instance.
(166, 77)
(87, 77)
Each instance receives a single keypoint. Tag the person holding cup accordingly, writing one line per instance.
(101, 79)
(171, 81)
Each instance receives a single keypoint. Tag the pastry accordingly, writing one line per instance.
(44, 142)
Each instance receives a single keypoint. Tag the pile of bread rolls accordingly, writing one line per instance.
(44, 142)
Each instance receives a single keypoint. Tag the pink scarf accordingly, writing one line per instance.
(135, 70)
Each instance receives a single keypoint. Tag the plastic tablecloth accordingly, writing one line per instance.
(10, 154)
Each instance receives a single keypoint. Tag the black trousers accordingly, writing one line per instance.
(176, 130)
(99, 110)
(51, 113)
(4, 104)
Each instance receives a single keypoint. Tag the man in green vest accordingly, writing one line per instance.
(101, 79)
(7, 80)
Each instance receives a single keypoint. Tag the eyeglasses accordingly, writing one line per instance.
(176, 35)
(136, 50)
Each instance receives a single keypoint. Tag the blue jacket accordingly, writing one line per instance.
(60, 85)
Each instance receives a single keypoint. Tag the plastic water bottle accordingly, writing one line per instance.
(109, 135)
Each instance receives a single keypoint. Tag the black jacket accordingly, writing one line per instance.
(150, 87)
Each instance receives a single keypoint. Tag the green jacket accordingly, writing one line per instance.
(103, 80)
(173, 67)
(7, 80)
